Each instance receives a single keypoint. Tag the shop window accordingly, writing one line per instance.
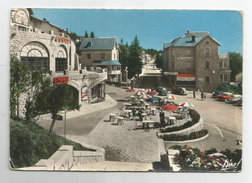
(188, 64)
(207, 51)
(102, 55)
(223, 64)
(88, 56)
(172, 64)
(207, 64)
(207, 79)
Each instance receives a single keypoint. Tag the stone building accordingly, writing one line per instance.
(193, 61)
(45, 46)
(102, 53)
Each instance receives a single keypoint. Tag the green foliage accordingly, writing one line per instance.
(236, 62)
(158, 61)
(86, 34)
(152, 52)
(74, 36)
(134, 62)
(54, 99)
(124, 55)
(19, 80)
(46, 20)
(191, 136)
(92, 34)
(29, 143)
(230, 88)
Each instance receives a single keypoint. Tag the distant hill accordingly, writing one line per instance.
(29, 143)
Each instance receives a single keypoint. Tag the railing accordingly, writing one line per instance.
(115, 72)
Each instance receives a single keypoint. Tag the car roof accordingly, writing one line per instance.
(227, 93)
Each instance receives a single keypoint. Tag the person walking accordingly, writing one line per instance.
(193, 93)
(162, 118)
(202, 95)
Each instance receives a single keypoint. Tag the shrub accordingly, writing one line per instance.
(191, 136)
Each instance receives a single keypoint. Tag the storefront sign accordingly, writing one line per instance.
(185, 58)
(62, 39)
(185, 78)
(61, 80)
(84, 93)
(200, 79)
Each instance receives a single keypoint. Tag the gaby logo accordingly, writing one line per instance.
(229, 165)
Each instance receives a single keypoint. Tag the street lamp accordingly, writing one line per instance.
(213, 81)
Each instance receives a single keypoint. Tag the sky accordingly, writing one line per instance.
(152, 27)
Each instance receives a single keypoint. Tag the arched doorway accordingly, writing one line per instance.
(35, 55)
(75, 93)
(61, 59)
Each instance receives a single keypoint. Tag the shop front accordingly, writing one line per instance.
(185, 79)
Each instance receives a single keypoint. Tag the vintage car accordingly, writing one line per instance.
(224, 96)
(179, 90)
(216, 93)
(239, 101)
(233, 99)
(162, 91)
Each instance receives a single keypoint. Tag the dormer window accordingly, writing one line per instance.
(89, 44)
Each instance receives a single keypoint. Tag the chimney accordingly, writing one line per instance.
(193, 38)
(188, 31)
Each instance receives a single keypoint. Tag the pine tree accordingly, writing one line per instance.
(86, 34)
(92, 34)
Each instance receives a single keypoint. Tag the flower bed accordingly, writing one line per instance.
(195, 119)
(185, 137)
(193, 159)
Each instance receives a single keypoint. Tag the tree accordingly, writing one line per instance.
(158, 61)
(86, 34)
(134, 63)
(92, 34)
(19, 78)
(46, 20)
(54, 99)
(236, 62)
(36, 80)
(124, 54)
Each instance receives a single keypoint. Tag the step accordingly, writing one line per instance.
(113, 166)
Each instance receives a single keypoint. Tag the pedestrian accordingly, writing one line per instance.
(134, 113)
(193, 93)
(162, 118)
(202, 95)
(140, 115)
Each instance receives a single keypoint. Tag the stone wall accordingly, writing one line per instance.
(65, 157)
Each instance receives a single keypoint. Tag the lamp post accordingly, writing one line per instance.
(213, 81)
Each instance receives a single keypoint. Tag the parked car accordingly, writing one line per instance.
(233, 99)
(239, 101)
(162, 91)
(216, 93)
(224, 96)
(179, 90)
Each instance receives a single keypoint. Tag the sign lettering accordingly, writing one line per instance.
(62, 39)
(60, 80)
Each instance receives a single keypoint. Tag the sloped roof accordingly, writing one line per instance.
(186, 40)
(106, 62)
(98, 44)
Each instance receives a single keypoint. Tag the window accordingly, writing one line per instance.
(102, 55)
(207, 80)
(61, 64)
(36, 56)
(207, 42)
(207, 64)
(88, 56)
(223, 64)
(172, 64)
(207, 51)
(188, 64)
(189, 52)
(172, 52)
(223, 78)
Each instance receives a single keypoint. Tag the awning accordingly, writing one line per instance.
(186, 77)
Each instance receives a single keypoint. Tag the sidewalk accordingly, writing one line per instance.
(109, 102)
